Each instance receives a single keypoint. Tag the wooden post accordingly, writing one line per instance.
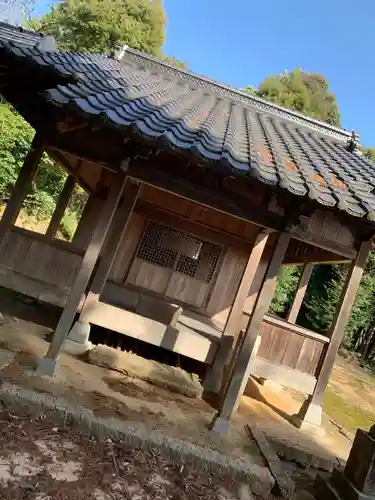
(300, 292)
(311, 411)
(48, 364)
(61, 205)
(21, 188)
(213, 380)
(83, 232)
(242, 365)
(120, 225)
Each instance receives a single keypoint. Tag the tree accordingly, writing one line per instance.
(369, 153)
(15, 138)
(175, 62)
(101, 25)
(301, 91)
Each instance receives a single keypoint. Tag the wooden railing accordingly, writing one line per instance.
(35, 265)
(289, 354)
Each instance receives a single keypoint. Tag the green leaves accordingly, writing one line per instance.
(304, 92)
(15, 138)
(100, 25)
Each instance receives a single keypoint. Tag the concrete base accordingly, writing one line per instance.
(76, 348)
(220, 425)
(77, 342)
(80, 332)
(47, 366)
(309, 417)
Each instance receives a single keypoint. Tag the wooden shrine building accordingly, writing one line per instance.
(198, 194)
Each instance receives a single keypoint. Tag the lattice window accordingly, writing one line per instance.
(174, 249)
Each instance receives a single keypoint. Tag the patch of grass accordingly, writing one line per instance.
(68, 225)
(349, 416)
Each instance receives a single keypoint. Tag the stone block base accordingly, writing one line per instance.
(80, 332)
(77, 342)
(220, 425)
(47, 366)
(76, 348)
(309, 417)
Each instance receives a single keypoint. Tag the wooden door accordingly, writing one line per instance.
(174, 264)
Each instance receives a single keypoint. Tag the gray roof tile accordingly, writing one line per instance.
(214, 122)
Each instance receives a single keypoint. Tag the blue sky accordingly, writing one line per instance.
(240, 42)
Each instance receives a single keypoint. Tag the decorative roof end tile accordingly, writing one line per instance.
(119, 52)
(47, 44)
(353, 144)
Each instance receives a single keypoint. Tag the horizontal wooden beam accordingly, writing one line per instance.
(322, 242)
(283, 375)
(209, 197)
(197, 228)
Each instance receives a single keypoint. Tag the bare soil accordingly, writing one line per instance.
(40, 461)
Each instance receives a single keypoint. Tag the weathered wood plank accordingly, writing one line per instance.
(148, 276)
(128, 247)
(300, 293)
(61, 205)
(116, 235)
(213, 380)
(242, 366)
(88, 263)
(233, 322)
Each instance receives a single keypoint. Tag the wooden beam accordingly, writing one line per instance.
(322, 242)
(198, 228)
(48, 364)
(61, 205)
(311, 411)
(300, 292)
(70, 169)
(211, 197)
(116, 236)
(214, 377)
(21, 188)
(242, 293)
(83, 231)
(242, 365)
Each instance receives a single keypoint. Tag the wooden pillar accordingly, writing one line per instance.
(311, 411)
(120, 225)
(21, 188)
(300, 292)
(214, 377)
(48, 364)
(61, 205)
(90, 213)
(242, 365)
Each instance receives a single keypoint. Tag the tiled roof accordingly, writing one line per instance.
(18, 35)
(215, 123)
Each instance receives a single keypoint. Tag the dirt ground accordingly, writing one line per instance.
(108, 393)
(350, 397)
(40, 461)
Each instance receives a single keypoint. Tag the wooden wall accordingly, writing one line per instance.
(291, 346)
(213, 299)
(34, 265)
